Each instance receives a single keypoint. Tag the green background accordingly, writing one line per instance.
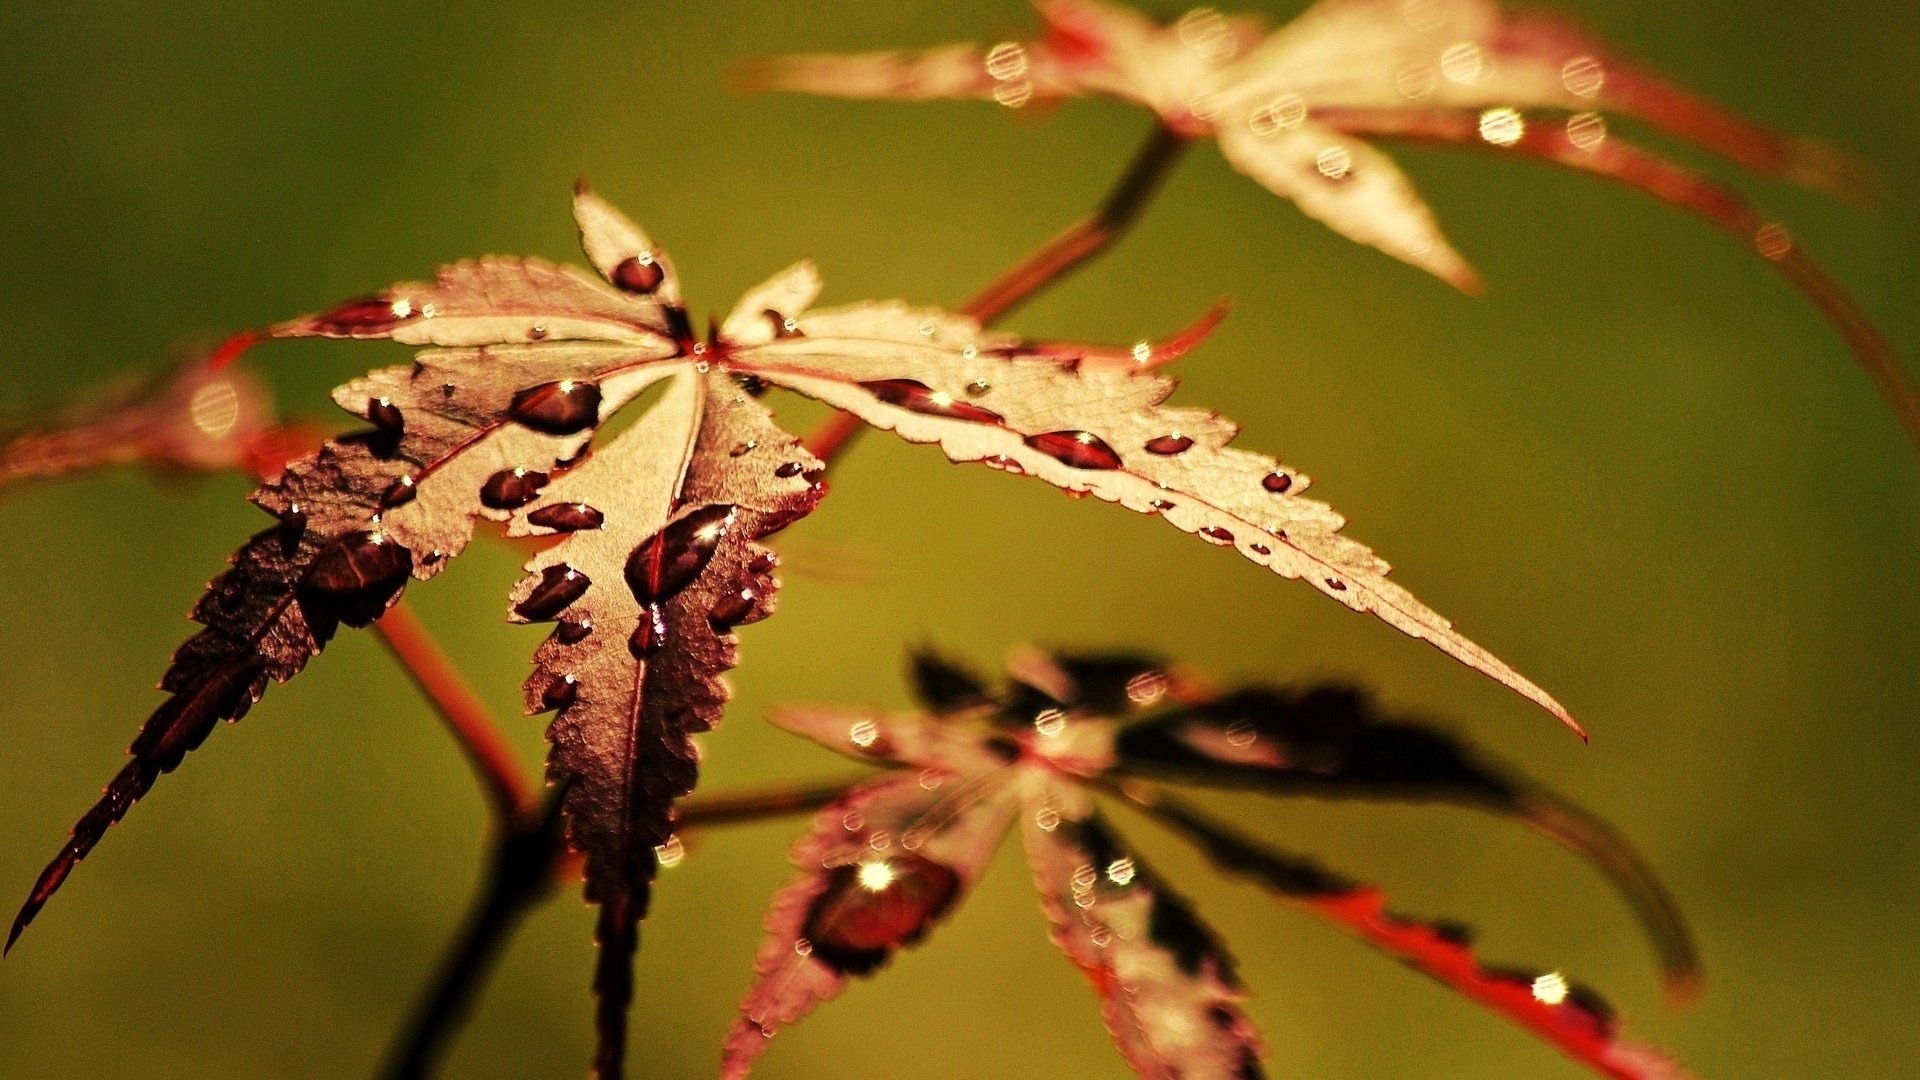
(1640, 469)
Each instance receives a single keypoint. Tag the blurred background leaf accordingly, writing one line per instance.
(1640, 469)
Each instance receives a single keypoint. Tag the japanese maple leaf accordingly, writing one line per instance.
(656, 554)
(188, 419)
(1293, 109)
(896, 854)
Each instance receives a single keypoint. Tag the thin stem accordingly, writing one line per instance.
(494, 761)
(699, 813)
(1151, 166)
(1122, 206)
(521, 876)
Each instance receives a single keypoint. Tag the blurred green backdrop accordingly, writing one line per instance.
(1640, 469)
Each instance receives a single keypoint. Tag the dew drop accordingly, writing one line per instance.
(1168, 445)
(560, 585)
(1162, 505)
(802, 947)
(511, 489)
(671, 559)
(790, 470)
(1335, 164)
(1004, 464)
(672, 853)
(1078, 449)
(567, 517)
(367, 315)
(566, 407)
(401, 493)
(1587, 130)
(732, 610)
(385, 415)
(863, 733)
(1583, 76)
(1214, 534)
(1773, 242)
(1261, 550)
(573, 631)
(359, 563)
(1147, 687)
(1463, 63)
(650, 634)
(978, 387)
(560, 693)
(919, 397)
(639, 274)
(537, 332)
(742, 449)
(1241, 734)
(783, 327)
(1336, 585)
(1047, 819)
(1277, 482)
(1503, 126)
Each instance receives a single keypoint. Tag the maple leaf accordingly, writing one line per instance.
(1292, 109)
(188, 419)
(895, 854)
(657, 558)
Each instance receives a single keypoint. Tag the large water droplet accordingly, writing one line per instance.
(355, 576)
(511, 489)
(1277, 482)
(567, 517)
(401, 493)
(560, 585)
(367, 315)
(385, 415)
(672, 558)
(870, 908)
(573, 631)
(639, 274)
(1079, 449)
(919, 397)
(558, 408)
(1167, 445)
(733, 610)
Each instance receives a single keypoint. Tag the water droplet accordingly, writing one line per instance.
(926, 328)
(1336, 585)
(742, 449)
(1283, 113)
(802, 947)
(369, 564)
(537, 332)
(1047, 819)
(790, 470)
(1773, 242)
(1335, 163)
(852, 821)
(1260, 549)
(1050, 722)
(671, 853)
(1583, 76)
(919, 397)
(1277, 482)
(671, 559)
(978, 387)
(1004, 464)
(1463, 63)
(650, 634)
(400, 494)
(1214, 534)
(1007, 61)
(1121, 871)
(560, 585)
(1100, 936)
(567, 517)
(639, 274)
(863, 733)
(566, 407)
(383, 414)
(1587, 130)
(931, 779)
(1162, 505)
(573, 631)
(1147, 687)
(1079, 449)
(872, 907)
(1550, 989)
(511, 489)
(1241, 734)
(1167, 445)
(733, 610)
(365, 316)
(1503, 126)
(560, 692)
(762, 563)
(783, 327)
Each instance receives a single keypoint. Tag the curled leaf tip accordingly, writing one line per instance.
(233, 348)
